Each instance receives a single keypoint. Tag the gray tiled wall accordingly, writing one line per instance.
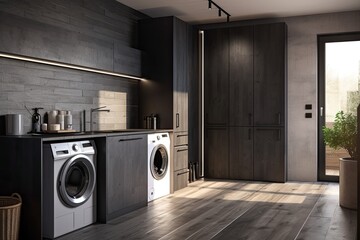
(49, 87)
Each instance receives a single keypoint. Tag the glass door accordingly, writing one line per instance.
(339, 80)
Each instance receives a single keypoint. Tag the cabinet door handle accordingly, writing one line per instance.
(181, 150)
(250, 117)
(279, 135)
(279, 118)
(130, 139)
(249, 134)
(182, 135)
(177, 120)
(182, 173)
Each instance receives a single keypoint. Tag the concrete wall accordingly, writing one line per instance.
(302, 86)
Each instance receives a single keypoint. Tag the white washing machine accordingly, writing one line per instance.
(158, 165)
(69, 180)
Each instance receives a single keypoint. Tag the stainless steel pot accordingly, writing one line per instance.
(14, 124)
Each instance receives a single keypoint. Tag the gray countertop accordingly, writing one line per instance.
(47, 137)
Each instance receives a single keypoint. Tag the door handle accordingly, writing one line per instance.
(249, 134)
(130, 139)
(321, 111)
(177, 120)
(279, 118)
(279, 135)
(181, 150)
(182, 135)
(250, 116)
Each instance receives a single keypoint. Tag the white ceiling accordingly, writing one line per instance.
(196, 11)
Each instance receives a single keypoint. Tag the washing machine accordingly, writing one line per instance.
(69, 181)
(158, 165)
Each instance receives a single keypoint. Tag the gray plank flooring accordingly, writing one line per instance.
(235, 210)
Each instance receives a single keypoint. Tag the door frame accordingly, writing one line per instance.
(322, 40)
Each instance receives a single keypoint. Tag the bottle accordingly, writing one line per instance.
(60, 119)
(68, 120)
(52, 116)
(36, 120)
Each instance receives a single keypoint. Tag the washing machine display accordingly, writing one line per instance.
(158, 165)
(69, 187)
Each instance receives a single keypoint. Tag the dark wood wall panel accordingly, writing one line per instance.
(99, 34)
(95, 33)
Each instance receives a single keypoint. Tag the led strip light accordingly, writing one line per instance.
(70, 66)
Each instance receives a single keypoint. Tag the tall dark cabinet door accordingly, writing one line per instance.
(216, 153)
(241, 153)
(181, 75)
(216, 76)
(269, 154)
(269, 74)
(241, 76)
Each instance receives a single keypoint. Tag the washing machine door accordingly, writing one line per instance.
(76, 181)
(159, 162)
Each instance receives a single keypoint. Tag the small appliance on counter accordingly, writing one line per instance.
(14, 124)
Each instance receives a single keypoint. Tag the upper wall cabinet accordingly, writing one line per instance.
(269, 74)
(166, 43)
(216, 64)
(93, 34)
(241, 76)
(245, 75)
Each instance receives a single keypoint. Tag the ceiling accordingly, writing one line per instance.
(196, 11)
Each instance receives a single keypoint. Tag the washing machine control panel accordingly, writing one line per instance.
(68, 149)
(76, 147)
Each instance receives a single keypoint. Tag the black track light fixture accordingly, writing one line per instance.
(220, 10)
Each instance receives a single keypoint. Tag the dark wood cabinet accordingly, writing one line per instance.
(269, 74)
(181, 74)
(181, 164)
(245, 81)
(180, 157)
(126, 174)
(216, 153)
(241, 76)
(269, 157)
(167, 44)
(216, 76)
(241, 163)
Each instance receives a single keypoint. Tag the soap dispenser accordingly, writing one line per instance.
(36, 120)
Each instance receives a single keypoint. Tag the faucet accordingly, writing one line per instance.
(92, 110)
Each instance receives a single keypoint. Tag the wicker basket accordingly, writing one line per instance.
(10, 216)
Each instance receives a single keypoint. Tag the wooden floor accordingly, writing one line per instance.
(235, 210)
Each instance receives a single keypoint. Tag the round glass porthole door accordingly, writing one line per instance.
(159, 162)
(77, 180)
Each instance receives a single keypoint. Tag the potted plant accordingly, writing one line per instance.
(343, 135)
